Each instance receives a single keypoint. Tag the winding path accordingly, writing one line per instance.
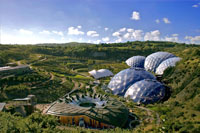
(149, 113)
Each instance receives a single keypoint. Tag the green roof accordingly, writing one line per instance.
(107, 110)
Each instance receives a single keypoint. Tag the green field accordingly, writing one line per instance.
(57, 69)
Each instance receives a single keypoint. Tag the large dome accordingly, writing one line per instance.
(153, 60)
(125, 78)
(146, 91)
(167, 63)
(136, 61)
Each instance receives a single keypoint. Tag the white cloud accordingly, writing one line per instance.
(130, 34)
(74, 31)
(135, 15)
(79, 26)
(118, 40)
(130, 30)
(122, 29)
(137, 34)
(80, 39)
(195, 6)
(92, 33)
(45, 32)
(26, 32)
(174, 35)
(153, 35)
(60, 33)
(117, 34)
(105, 28)
(106, 39)
(97, 41)
(171, 39)
(157, 21)
(195, 39)
(166, 21)
(127, 36)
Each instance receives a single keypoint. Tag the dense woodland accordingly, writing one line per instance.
(57, 68)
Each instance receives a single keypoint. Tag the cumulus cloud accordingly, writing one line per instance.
(92, 33)
(60, 33)
(105, 28)
(157, 21)
(153, 35)
(122, 30)
(130, 30)
(79, 26)
(166, 21)
(135, 15)
(45, 32)
(118, 40)
(195, 6)
(137, 34)
(127, 36)
(171, 39)
(26, 32)
(174, 35)
(106, 39)
(195, 39)
(116, 34)
(119, 32)
(74, 31)
(97, 41)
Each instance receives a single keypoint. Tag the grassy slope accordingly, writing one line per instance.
(179, 113)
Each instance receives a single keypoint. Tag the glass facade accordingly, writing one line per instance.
(136, 61)
(125, 78)
(153, 60)
(167, 63)
(146, 91)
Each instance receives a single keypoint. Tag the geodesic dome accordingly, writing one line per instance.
(136, 61)
(100, 73)
(153, 60)
(125, 78)
(146, 91)
(167, 63)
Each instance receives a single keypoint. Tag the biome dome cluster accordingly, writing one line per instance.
(138, 83)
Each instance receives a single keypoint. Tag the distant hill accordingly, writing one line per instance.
(64, 44)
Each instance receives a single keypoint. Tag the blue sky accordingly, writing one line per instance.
(99, 21)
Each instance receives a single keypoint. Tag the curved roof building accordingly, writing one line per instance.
(153, 60)
(146, 91)
(136, 61)
(97, 110)
(167, 63)
(100, 73)
(125, 78)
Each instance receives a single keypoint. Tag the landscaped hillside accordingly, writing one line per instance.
(58, 69)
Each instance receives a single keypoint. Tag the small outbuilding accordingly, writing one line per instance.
(100, 73)
(2, 106)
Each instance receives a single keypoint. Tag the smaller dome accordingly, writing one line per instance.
(153, 60)
(146, 91)
(167, 63)
(100, 73)
(136, 61)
